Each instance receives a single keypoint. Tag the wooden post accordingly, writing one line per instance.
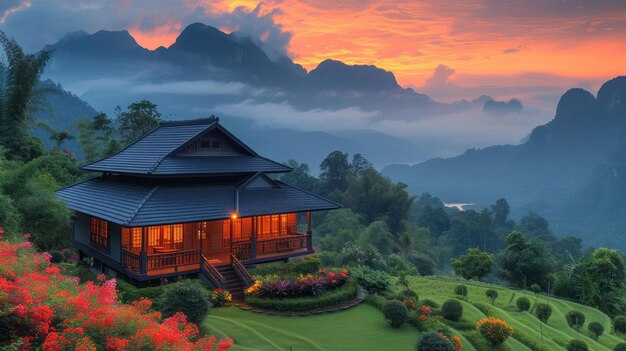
(232, 226)
(309, 232)
(143, 255)
(253, 236)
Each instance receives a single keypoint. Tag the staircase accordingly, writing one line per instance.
(232, 282)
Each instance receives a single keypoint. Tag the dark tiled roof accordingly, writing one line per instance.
(133, 204)
(217, 165)
(153, 154)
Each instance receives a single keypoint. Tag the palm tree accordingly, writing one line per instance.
(58, 136)
(19, 78)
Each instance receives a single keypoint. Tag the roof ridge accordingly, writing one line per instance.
(308, 192)
(158, 163)
(190, 122)
(143, 202)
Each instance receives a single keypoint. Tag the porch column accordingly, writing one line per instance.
(232, 227)
(309, 232)
(143, 255)
(253, 236)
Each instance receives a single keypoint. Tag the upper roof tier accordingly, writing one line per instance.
(194, 147)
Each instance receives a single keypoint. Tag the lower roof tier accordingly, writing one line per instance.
(135, 204)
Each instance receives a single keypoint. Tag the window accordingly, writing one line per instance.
(177, 233)
(99, 230)
(202, 230)
(167, 234)
(274, 225)
(135, 238)
(154, 236)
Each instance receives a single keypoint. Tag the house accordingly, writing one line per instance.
(189, 198)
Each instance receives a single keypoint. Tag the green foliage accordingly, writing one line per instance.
(491, 295)
(430, 341)
(452, 309)
(377, 235)
(620, 347)
(376, 198)
(543, 312)
(577, 345)
(525, 261)
(295, 304)
(596, 329)
(395, 313)
(430, 303)
(535, 288)
(619, 323)
(501, 211)
(95, 136)
(309, 264)
(575, 319)
(56, 256)
(18, 94)
(335, 172)
(188, 297)
(473, 265)
(523, 304)
(460, 290)
(141, 118)
(376, 301)
(424, 264)
(129, 293)
(9, 215)
(356, 255)
(373, 281)
(398, 265)
(300, 177)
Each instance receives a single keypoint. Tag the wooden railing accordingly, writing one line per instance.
(241, 249)
(131, 261)
(241, 271)
(211, 273)
(282, 244)
(173, 259)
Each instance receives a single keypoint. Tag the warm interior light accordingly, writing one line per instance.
(233, 216)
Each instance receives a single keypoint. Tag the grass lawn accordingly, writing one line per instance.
(556, 334)
(360, 328)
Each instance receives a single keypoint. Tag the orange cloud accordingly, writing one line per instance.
(411, 38)
(11, 10)
(160, 36)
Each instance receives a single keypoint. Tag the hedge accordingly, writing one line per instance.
(298, 304)
(310, 264)
(128, 293)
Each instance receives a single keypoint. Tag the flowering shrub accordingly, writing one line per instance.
(494, 329)
(424, 313)
(220, 297)
(305, 285)
(430, 341)
(410, 305)
(42, 309)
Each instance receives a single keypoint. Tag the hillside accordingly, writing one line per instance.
(253, 331)
(568, 169)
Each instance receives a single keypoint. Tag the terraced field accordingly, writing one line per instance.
(364, 328)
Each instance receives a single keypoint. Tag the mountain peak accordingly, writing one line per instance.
(612, 96)
(336, 75)
(577, 104)
(102, 40)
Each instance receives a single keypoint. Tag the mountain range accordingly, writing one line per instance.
(572, 170)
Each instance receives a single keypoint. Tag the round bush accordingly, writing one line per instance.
(395, 312)
(433, 342)
(452, 310)
(460, 290)
(56, 256)
(491, 295)
(188, 297)
(430, 303)
(408, 294)
(620, 324)
(494, 329)
(523, 304)
(575, 319)
(620, 347)
(543, 312)
(577, 345)
(535, 288)
(596, 329)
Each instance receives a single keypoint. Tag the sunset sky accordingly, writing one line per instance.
(477, 42)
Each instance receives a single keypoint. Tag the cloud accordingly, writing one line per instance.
(284, 115)
(514, 50)
(441, 77)
(206, 87)
(9, 7)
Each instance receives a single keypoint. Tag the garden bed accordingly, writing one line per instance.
(334, 297)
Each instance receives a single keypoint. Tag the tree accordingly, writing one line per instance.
(335, 172)
(359, 165)
(605, 268)
(491, 295)
(596, 329)
(95, 136)
(435, 219)
(575, 319)
(501, 211)
(300, 176)
(525, 262)
(376, 198)
(141, 118)
(377, 235)
(18, 89)
(473, 265)
(58, 137)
